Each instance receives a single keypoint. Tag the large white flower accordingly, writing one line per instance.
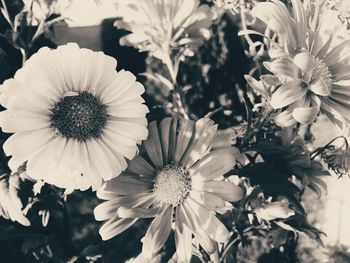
(74, 117)
(159, 26)
(179, 182)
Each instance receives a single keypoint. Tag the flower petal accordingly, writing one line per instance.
(284, 119)
(205, 131)
(306, 115)
(287, 94)
(200, 234)
(306, 62)
(208, 200)
(225, 190)
(137, 212)
(183, 139)
(183, 237)
(285, 67)
(15, 121)
(157, 233)
(140, 166)
(320, 87)
(115, 226)
(164, 127)
(153, 145)
(214, 164)
(108, 209)
(126, 185)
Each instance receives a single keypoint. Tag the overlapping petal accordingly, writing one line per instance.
(56, 154)
(178, 174)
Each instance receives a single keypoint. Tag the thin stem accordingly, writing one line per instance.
(24, 55)
(244, 21)
(316, 152)
(227, 249)
(257, 126)
(173, 67)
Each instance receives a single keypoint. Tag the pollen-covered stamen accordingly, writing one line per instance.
(79, 116)
(172, 185)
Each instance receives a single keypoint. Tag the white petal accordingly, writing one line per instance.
(287, 94)
(183, 237)
(205, 131)
(209, 222)
(153, 145)
(214, 164)
(165, 127)
(183, 139)
(157, 233)
(126, 185)
(137, 212)
(115, 226)
(225, 190)
(14, 121)
(208, 200)
(140, 166)
(200, 234)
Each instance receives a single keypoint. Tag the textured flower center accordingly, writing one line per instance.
(172, 185)
(321, 71)
(79, 116)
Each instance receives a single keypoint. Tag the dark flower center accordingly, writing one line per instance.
(79, 116)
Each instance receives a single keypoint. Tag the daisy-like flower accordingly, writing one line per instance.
(160, 26)
(177, 181)
(311, 74)
(74, 118)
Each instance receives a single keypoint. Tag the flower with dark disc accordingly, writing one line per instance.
(74, 118)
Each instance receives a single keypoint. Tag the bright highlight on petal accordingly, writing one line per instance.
(69, 111)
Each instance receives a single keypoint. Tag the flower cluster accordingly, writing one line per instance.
(189, 186)
(310, 72)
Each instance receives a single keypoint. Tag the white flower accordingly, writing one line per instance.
(311, 73)
(74, 118)
(179, 182)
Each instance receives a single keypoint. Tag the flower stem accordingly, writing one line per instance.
(227, 249)
(24, 55)
(177, 95)
(316, 152)
(264, 115)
